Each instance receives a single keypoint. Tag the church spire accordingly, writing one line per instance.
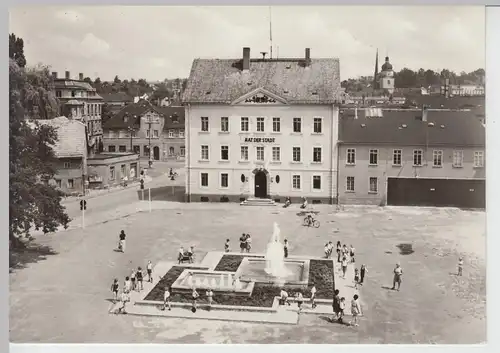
(375, 75)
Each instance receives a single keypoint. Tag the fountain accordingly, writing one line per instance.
(275, 260)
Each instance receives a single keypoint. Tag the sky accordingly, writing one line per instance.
(158, 42)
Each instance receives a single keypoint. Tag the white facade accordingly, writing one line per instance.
(227, 158)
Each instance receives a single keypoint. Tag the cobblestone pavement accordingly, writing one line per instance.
(65, 297)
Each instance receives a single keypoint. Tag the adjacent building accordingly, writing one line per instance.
(71, 152)
(411, 157)
(141, 128)
(108, 169)
(263, 128)
(80, 101)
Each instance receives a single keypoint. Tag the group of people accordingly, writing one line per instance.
(133, 282)
(186, 255)
(339, 306)
(298, 298)
(245, 243)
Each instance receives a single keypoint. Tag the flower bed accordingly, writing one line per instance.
(320, 273)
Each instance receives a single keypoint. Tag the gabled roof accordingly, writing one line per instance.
(170, 113)
(224, 81)
(133, 112)
(71, 135)
(405, 128)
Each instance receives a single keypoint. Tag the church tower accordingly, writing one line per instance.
(386, 80)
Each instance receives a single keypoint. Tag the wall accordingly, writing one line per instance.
(362, 171)
(102, 168)
(285, 139)
(69, 169)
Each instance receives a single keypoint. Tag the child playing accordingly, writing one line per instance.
(166, 299)
(195, 297)
(226, 246)
(327, 251)
(114, 289)
(355, 310)
(127, 285)
(284, 297)
(249, 243)
(313, 296)
(132, 280)
(300, 299)
(149, 269)
(352, 252)
(362, 272)
(210, 298)
(344, 266)
(356, 278)
(139, 278)
(460, 266)
(341, 310)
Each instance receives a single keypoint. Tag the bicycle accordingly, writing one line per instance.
(311, 222)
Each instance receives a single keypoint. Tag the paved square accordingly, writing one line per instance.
(65, 298)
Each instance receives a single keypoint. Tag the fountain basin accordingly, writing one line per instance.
(218, 281)
(254, 269)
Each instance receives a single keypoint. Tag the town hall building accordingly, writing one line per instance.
(262, 128)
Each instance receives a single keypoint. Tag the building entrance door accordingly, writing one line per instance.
(156, 153)
(260, 184)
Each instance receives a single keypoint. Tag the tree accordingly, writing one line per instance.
(117, 79)
(88, 80)
(97, 81)
(16, 50)
(33, 200)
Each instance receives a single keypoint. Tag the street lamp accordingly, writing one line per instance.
(150, 157)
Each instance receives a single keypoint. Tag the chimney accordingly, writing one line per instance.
(80, 76)
(246, 59)
(54, 74)
(67, 75)
(308, 56)
(424, 112)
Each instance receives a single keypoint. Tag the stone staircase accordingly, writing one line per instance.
(258, 202)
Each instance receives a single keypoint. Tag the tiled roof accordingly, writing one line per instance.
(170, 113)
(117, 97)
(133, 112)
(223, 81)
(65, 83)
(404, 128)
(72, 140)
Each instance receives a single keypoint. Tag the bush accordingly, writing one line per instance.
(321, 273)
(229, 263)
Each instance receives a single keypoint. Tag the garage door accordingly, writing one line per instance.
(463, 193)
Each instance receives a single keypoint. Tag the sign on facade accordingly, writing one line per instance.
(260, 139)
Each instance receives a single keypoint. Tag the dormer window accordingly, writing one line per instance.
(175, 118)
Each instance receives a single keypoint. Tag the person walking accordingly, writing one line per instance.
(285, 247)
(210, 298)
(243, 242)
(139, 277)
(398, 273)
(341, 310)
(351, 253)
(227, 246)
(344, 266)
(249, 243)
(300, 300)
(336, 305)
(355, 310)
(127, 285)
(149, 269)
(121, 241)
(460, 266)
(363, 270)
(356, 278)
(132, 280)
(313, 296)
(339, 251)
(114, 289)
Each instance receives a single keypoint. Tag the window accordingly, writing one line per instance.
(73, 94)
(183, 151)
(133, 133)
(417, 157)
(155, 133)
(276, 154)
(224, 124)
(170, 133)
(111, 148)
(297, 125)
(260, 124)
(67, 165)
(317, 182)
(296, 182)
(244, 153)
(171, 151)
(204, 153)
(224, 180)
(244, 124)
(478, 159)
(373, 157)
(181, 133)
(58, 183)
(112, 173)
(204, 179)
(148, 132)
(396, 157)
(58, 94)
(146, 151)
(122, 148)
(276, 124)
(317, 154)
(373, 184)
(317, 128)
(351, 156)
(296, 154)
(123, 170)
(437, 158)
(224, 153)
(260, 153)
(350, 183)
(137, 149)
(204, 123)
(70, 184)
(458, 158)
